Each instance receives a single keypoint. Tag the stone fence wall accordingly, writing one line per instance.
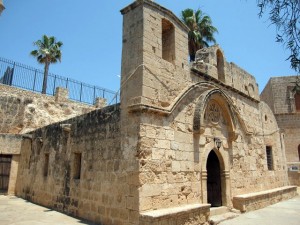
(22, 111)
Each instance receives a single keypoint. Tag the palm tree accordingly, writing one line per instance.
(48, 52)
(201, 30)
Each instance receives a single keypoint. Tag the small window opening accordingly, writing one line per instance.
(168, 41)
(77, 165)
(153, 49)
(46, 165)
(220, 66)
(299, 152)
(269, 158)
(297, 102)
(266, 117)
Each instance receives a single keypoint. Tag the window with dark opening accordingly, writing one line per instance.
(77, 165)
(46, 165)
(299, 151)
(220, 66)
(297, 101)
(269, 157)
(168, 41)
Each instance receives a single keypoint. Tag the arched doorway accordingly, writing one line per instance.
(214, 192)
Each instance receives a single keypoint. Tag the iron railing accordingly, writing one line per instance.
(29, 78)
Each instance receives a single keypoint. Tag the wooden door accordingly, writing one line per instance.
(214, 194)
(5, 162)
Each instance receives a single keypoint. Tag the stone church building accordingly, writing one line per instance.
(186, 137)
(279, 94)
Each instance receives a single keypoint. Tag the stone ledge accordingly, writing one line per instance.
(257, 200)
(195, 214)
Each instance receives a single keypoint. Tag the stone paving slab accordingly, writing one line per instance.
(17, 211)
(286, 212)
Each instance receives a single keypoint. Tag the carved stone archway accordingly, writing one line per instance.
(215, 120)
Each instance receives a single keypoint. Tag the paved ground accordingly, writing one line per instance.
(16, 211)
(282, 213)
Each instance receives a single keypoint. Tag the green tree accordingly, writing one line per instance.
(285, 14)
(201, 30)
(47, 52)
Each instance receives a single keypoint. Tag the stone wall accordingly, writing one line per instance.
(22, 111)
(294, 177)
(279, 96)
(48, 173)
(178, 110)
(146, 160)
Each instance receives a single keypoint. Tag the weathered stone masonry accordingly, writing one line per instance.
(153, 158)
(279, 95)
(100, 193)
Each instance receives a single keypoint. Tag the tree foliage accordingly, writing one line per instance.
(284, 14)
(47, 52)
(201, 30)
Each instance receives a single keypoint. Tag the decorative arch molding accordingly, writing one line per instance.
(230, 112)
(201, 91)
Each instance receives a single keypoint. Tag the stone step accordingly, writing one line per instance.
(218, 210)
(213, 220)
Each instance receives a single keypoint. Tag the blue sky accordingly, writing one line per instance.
(92, 35)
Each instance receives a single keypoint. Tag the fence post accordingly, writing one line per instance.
(80, 91)
(54, 83)
(34, 80)
(94, 97)
(12, 74)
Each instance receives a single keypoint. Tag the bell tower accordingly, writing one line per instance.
(155, 50)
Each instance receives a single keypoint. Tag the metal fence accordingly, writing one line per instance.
(29, 78)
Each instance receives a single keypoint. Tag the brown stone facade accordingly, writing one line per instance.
(185, 137)
(279, 95)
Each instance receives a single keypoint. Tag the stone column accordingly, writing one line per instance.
(13, 174)
(226, 189)
(61, 94)
(204, 185)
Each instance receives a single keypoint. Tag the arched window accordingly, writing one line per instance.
(297, 101)
(220, 66)
(168, 41)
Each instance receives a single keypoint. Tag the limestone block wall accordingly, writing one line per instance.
(77, 167)
(173, 157)
(280, 90)
(22, 111)
(279, 96)
(291, 127)
(174, 113)
(10, 144)
(211, 61)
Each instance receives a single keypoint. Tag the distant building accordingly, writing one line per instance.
(1, 6)
(285, 104)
